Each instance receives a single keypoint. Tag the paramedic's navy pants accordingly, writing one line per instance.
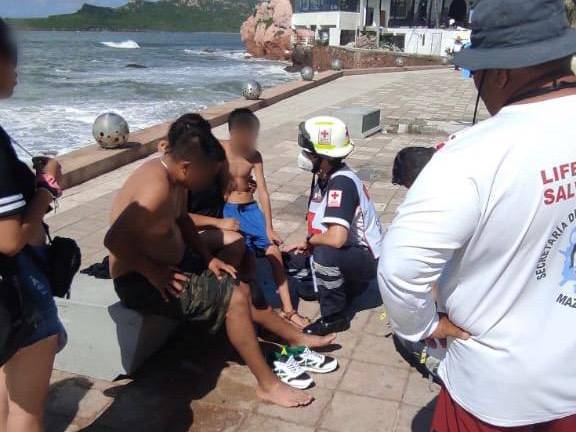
(339, 275)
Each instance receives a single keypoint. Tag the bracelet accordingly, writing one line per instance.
(48, 182)
(47, 189)
(288, 315)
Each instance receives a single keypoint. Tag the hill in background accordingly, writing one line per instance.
(138, 15)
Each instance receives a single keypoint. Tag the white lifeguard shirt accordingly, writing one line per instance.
(492, 218)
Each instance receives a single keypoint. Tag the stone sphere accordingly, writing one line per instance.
(399, 62)
(111, 131)
(336, 65)
(252, 90)
(307, 73)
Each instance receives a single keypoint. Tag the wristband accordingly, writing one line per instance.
(41, 187)
(48, 182)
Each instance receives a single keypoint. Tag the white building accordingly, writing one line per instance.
(339, 21)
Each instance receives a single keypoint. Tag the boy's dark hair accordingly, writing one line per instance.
(409, 163)
(190, 136)
(243, 118)
(8, 49)
(195, 119)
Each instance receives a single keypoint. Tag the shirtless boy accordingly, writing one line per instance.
(160, 266)
(255, 224)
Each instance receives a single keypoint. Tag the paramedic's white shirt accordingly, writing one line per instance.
(496, 210)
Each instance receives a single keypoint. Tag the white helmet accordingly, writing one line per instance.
(325, 136)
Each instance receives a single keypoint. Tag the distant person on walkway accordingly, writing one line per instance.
(255, 220)
(160, 265)
(25, 198)
(339, 256)
(490, 219)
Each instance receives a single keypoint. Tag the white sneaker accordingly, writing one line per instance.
(290, 372)
(312, 361)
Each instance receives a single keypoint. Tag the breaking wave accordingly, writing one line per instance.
(233, 55)
(129, 44)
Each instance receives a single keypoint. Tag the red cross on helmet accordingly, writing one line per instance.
(325, 136)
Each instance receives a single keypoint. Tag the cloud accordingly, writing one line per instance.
(35, 8)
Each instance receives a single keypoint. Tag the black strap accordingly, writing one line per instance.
(480, 88)
(312, 187)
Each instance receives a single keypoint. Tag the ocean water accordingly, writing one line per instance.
(66, 79)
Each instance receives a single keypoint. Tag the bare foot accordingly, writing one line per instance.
(284, 395)
(314, 341)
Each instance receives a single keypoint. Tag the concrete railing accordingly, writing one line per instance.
(92, 161)
(86, 163)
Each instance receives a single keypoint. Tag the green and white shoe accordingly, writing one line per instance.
(309, 360)
(289, 372)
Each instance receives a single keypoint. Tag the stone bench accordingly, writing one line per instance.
(105, 339)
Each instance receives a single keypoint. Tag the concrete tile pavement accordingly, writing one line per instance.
(196, 383)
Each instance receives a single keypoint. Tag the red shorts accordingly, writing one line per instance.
(451, 417)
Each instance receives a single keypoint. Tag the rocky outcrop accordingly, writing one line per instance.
(268, 32)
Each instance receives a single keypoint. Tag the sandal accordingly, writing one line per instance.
(289, 316)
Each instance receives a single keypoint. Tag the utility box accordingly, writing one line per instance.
(361, 121)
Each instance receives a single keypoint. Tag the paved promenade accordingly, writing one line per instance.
(197, 383)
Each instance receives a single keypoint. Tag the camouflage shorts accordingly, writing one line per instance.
(205, 298)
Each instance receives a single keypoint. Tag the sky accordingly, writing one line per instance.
(35, 8)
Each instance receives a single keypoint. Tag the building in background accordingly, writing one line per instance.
(427, 27)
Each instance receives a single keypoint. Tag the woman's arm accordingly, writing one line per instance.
(335, 236)
(16, 231)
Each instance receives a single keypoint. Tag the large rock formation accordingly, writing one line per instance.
(267, 33)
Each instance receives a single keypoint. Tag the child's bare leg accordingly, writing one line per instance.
(275, 258)
(243, 337)
(226, 245)
(270, 320)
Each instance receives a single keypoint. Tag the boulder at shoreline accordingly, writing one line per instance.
(268, 32)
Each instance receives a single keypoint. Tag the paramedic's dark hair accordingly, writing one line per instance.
(409, 163)
(188, 137)
(243, 118)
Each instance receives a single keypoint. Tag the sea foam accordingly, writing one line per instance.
(129, 44)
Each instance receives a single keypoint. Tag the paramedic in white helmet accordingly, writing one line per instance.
(339, 257)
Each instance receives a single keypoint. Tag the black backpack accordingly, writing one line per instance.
(61, 264)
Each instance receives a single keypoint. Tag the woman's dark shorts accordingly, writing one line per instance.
(36, 289)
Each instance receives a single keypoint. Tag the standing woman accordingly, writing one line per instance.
(24, 200)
